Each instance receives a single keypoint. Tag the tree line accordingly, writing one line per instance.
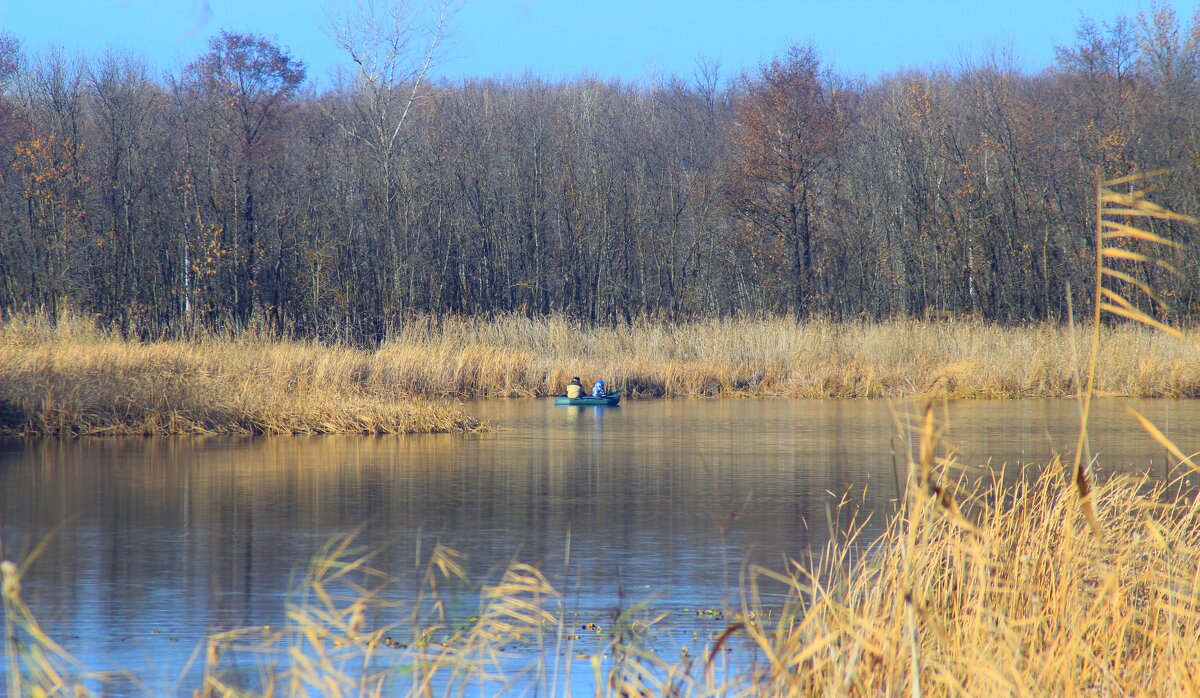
(232, 192)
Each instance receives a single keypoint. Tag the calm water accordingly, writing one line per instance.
(156, 542)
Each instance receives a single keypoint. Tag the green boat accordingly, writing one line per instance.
(609, 400)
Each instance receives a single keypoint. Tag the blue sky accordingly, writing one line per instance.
(615, 38)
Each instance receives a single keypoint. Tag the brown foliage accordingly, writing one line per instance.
(790, 125)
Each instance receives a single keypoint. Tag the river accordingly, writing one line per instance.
(155, 542)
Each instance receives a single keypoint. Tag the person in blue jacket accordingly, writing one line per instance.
(598, 389)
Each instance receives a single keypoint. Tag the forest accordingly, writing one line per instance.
(232, 193)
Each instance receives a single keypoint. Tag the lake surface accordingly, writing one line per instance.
(155, 542)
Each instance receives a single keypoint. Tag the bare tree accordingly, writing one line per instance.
(394, 44)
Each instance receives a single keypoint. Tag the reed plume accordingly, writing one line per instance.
(1124, 218)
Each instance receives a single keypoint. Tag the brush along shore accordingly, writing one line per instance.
(515, 356)
(72, 378)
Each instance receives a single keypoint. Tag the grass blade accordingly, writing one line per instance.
(1161, 438)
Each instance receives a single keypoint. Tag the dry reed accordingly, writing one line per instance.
(515, 356)
(1020, 587)
(71, 378)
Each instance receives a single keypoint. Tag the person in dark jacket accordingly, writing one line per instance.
(575, 388)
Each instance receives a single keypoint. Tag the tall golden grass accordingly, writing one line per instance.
(1005, 591)
(72, 378)
(518, 356)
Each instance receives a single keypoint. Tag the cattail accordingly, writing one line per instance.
(1085, 498)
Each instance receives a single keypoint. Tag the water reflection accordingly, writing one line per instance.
(173, 538)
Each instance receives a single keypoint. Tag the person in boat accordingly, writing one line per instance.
(598, 390)
(575, 388)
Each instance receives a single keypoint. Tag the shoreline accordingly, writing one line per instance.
(73, 378)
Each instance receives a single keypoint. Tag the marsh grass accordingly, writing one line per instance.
(516, 356)
(1013, 594)
(73, 378)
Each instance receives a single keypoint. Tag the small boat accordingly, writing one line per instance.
(609, 400)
